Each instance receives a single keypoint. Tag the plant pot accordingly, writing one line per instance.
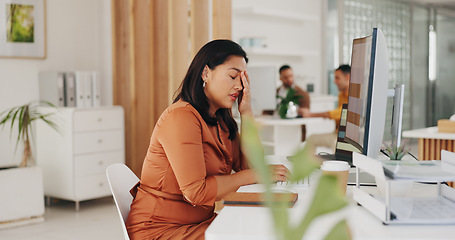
(22, 197)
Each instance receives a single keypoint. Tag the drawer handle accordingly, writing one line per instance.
(100, 162)
(100, 119)
(100, 184)
(100, 140)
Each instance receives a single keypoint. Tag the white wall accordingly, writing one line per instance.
(286, 35)
(78, 38)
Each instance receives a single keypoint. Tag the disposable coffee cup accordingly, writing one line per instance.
(340, 170)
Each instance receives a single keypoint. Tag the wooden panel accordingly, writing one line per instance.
(222, 19)
(421, 148)
(143, 88)
(178, 43)
(199, 24)
(438, 149)
(444, 144)
(426, 149)
(132, 37)
(160, 57)
(432, 149)
(121, 67)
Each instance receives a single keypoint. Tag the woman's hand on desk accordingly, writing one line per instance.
(279, 173)
(230, 183)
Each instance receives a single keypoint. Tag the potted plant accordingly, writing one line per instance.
(287, 108)
(21, 187)
(327, 197)
(395, 152)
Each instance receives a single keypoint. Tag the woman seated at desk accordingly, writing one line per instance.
(194, 148)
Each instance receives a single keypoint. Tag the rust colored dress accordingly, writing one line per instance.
(176, 195)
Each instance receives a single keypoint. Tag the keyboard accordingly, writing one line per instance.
(279, 183)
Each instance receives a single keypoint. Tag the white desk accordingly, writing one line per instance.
(256, 223)
(431, 142)
(284, 136)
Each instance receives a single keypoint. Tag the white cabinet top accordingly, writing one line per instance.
(431, 132)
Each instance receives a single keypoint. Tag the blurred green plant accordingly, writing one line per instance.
(23, 116)
(395, 151)
(291, 96)
(327, 198)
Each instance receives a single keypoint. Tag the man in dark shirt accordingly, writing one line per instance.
(287, 79)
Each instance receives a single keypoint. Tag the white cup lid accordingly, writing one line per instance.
(335, 166)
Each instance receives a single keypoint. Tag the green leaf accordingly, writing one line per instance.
(339, 232)
(283, 109)
(304, 163)
(254, 151)
(23, 116)
(21, 123)
(328, 198)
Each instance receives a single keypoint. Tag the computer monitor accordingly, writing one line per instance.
(368, 89)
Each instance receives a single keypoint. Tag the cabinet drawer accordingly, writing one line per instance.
(91, 120)
(89, 142)
(96, 163)
(89, 187)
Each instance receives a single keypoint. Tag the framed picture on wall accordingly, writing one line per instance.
(23, 29)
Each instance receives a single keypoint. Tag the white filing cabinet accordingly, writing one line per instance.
(74, 160)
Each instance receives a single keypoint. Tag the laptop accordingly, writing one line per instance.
(343, 152)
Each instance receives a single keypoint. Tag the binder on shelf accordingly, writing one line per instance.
(96, 90)
(52, 87)
(88, 88)
(70, 91)
(80, 89)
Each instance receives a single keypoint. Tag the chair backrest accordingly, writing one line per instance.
(121, 179)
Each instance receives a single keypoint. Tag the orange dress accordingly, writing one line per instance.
(176, 195)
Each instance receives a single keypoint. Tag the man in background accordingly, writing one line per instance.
(342, 77)
(287, 80)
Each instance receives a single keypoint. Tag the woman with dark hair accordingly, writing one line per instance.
(194, 149)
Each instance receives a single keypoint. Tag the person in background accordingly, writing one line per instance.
(287, 80)
(342, 77)
(194, 149)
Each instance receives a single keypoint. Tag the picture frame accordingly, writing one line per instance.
(23, 29)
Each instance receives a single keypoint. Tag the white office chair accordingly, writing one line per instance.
(121, 179)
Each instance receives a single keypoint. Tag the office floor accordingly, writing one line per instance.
(96, 219)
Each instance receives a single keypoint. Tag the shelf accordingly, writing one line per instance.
(276, 14)
(285, 53)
